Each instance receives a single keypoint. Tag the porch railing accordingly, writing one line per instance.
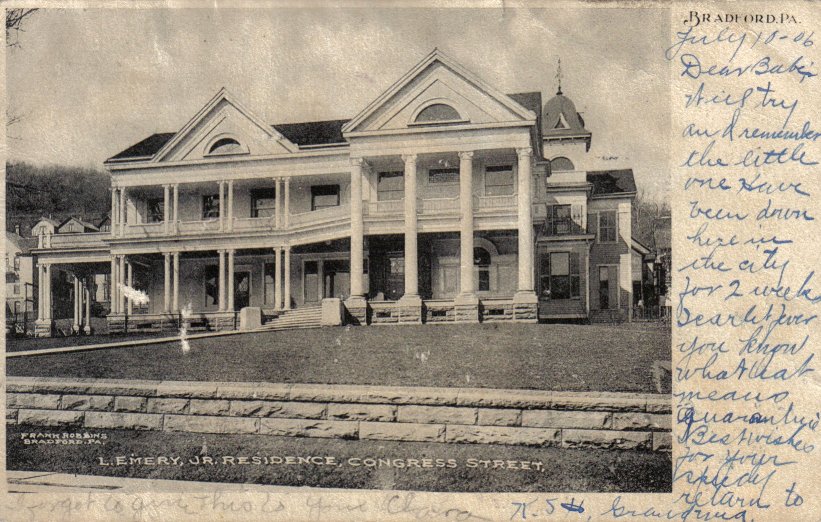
(391, 206)
(320, 216)
(495, 202)
(145, 230)
(257, 223)
(439, 205)
(86, 239)
(196, 227)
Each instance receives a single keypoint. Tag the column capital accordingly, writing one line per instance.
(524, 152)
(466, 155)
(409, 158)
(359, 162)
(231, 251)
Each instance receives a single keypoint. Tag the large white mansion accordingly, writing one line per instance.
(442, 200)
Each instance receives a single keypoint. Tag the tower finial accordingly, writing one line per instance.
(559, 77)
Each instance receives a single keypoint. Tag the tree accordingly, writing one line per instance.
(14, 24)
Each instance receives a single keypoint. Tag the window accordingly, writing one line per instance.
(450, 175)
(481, 259)
(559, 275)
(499, 181)
(16, 263)
(390, 186)
(561, 164)
(156, 210)
(263, 202)
(16, 289)
(559, 220)
(604, 287)
(210, 207)
(438, 112)
(607, 227)
(212, 295)
(324, 196)
(225, 146)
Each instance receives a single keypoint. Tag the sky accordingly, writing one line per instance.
(88, 83)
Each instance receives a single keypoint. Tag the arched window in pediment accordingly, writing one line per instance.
(226, 146)
(561, 164)
(437, 112)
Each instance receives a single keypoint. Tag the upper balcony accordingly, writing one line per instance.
(80, 240)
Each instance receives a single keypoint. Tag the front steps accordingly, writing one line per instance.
(304, 317)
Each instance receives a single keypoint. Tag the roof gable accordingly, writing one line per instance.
(223, 117)
(438, 79)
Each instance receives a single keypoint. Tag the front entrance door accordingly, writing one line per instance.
(242, 290)
(395, 277)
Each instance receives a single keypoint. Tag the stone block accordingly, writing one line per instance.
(133, 404)
(594, 420)
(333, 312)
(87, 402)
(363, 412)
(503, 435)
(61, 418)
(308, 428)
(123, 420)
(252, 390)
(436, 414)
(163, 405)
(357, 308)
(298, 410)
(36, 401)
(642, 421)
(402, 431)
(499, 417)
(608, 439)
(250, 318)
(210, 424)
(11, 416)
(662, 441)
(209, 407)
(661, 404)
(599, 402)
(187, 390)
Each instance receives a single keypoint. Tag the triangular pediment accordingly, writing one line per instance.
(223, 121)
(458, 97)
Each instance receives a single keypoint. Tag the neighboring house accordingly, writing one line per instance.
(45, 226)
(442, 200)
(20, 290)
(75, 225)
(645, 293)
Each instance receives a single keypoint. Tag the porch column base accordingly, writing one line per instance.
(466, 308)
(410, 309)
(526, 307)
(357, 306)
(87, 329)
(43, 328)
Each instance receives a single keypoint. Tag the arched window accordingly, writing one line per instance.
(437, 112)
(481, 259)
(560, 164)
(225, 146)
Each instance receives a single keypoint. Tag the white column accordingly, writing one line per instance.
(130, 269)
(466, 223)
(167, 282)
(286, 267)
(357, 228)
(221, 286)
(411, 263)
(222, 206)
(121, 281)
(76, 324)
(277, 278)
(230, 213)
(176, 283)
(112, 286)
(40, 290)
(47, 293)
(286, 207)
(113, 216)
(166, 208)
(278, 207)
(230, 280)
(87, 295)
(525, 224)
(123, 211)
(176, 205)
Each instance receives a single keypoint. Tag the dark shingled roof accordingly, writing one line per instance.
(609, 182)
(313, 132)
(529, 100)
(146, 148)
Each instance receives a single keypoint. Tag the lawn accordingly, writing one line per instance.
(531, 356)
(560, 469)
(20, 344)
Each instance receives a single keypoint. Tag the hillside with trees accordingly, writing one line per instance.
(33, 191)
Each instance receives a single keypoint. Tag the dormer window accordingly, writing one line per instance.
(438, 113)
(226, 146)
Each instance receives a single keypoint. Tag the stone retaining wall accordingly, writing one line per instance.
(455, 415)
